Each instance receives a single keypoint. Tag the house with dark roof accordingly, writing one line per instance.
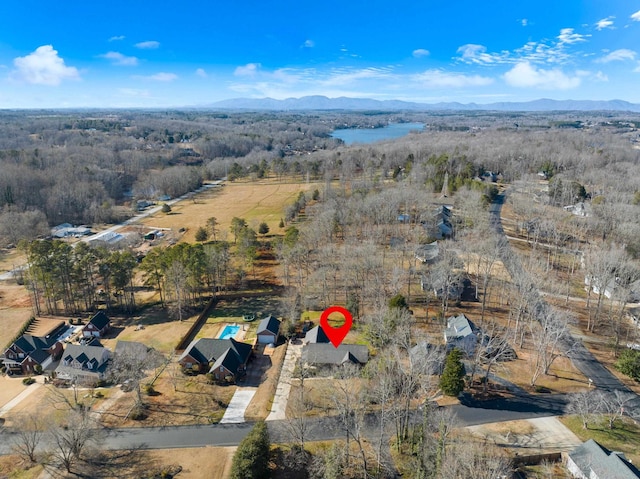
(225, 359)
(268, 330)
(83, 363)
(97, 326)
(428, 253)
(32, 354)
(591, 460)
(324, 354)
(316, 335)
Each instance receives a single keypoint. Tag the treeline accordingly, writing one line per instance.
(82, 168)
(67, 280)
(183, 274)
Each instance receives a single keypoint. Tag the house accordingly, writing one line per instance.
(324, 354)
(428, 253)
(316, 335)
(440, 226)
(579, 209)
(31, 354)
(97, 326)
(428, 356)
(268, 330)
(83, 363)
(461, 333)
(225, 359)
(131, 349)
(590, 460)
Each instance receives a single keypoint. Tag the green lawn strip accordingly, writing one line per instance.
(624, 437)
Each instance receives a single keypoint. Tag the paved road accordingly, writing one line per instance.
(470, 412)
(581, 358)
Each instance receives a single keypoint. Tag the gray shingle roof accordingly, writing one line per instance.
(323, 353)
(591, 456)
(207, 350)
(316, 335)
(270, 323)
(459, 327)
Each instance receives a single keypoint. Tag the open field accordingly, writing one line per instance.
(15, 310)
(256, 202)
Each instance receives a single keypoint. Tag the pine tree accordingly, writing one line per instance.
(251, 460)
(452, 379)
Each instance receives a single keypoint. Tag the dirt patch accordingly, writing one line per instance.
(12, 466)
(210, 462)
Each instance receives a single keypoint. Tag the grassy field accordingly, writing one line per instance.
(15, 310)
(624, 437)
(255, 202)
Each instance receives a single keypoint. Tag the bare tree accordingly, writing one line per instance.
(585, 405)
(72, 440)
(547, 336)
(30, 430)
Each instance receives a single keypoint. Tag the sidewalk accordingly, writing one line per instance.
(19, 398)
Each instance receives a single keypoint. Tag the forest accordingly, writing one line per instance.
(91, 166)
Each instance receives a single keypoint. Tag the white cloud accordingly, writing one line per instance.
(636, 16)
(605, 23)
(44, 67)
(117, 38)
(148, 45)
(118, 58)
(475, 53)
(309, 44)
(525, 75)
(567, 35)
(421, 52)
(524, 22)
(442, 79)
(161, 76)
(201, 73)
(250, 69)
(618, 55)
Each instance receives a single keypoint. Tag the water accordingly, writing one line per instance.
(371, 135)
(229, 331)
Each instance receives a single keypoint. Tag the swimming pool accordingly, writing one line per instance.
(229, 331)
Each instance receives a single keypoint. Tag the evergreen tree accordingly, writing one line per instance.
(202, 234)
(452, 379)
(251, 460)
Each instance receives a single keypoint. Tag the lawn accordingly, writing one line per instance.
(624, 437)
(256, 202)
(15, 310)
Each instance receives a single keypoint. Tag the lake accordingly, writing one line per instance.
(371, 135)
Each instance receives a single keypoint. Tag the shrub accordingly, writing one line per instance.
(251, 460)
(27, 381)
(629, 363)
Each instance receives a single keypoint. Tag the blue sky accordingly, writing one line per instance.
(159, 54)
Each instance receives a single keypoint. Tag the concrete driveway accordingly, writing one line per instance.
(238, 405)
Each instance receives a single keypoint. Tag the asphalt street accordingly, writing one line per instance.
(575, 350)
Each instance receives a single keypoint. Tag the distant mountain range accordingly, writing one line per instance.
(343, 103)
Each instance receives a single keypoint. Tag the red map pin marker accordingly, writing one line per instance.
(336, 335)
